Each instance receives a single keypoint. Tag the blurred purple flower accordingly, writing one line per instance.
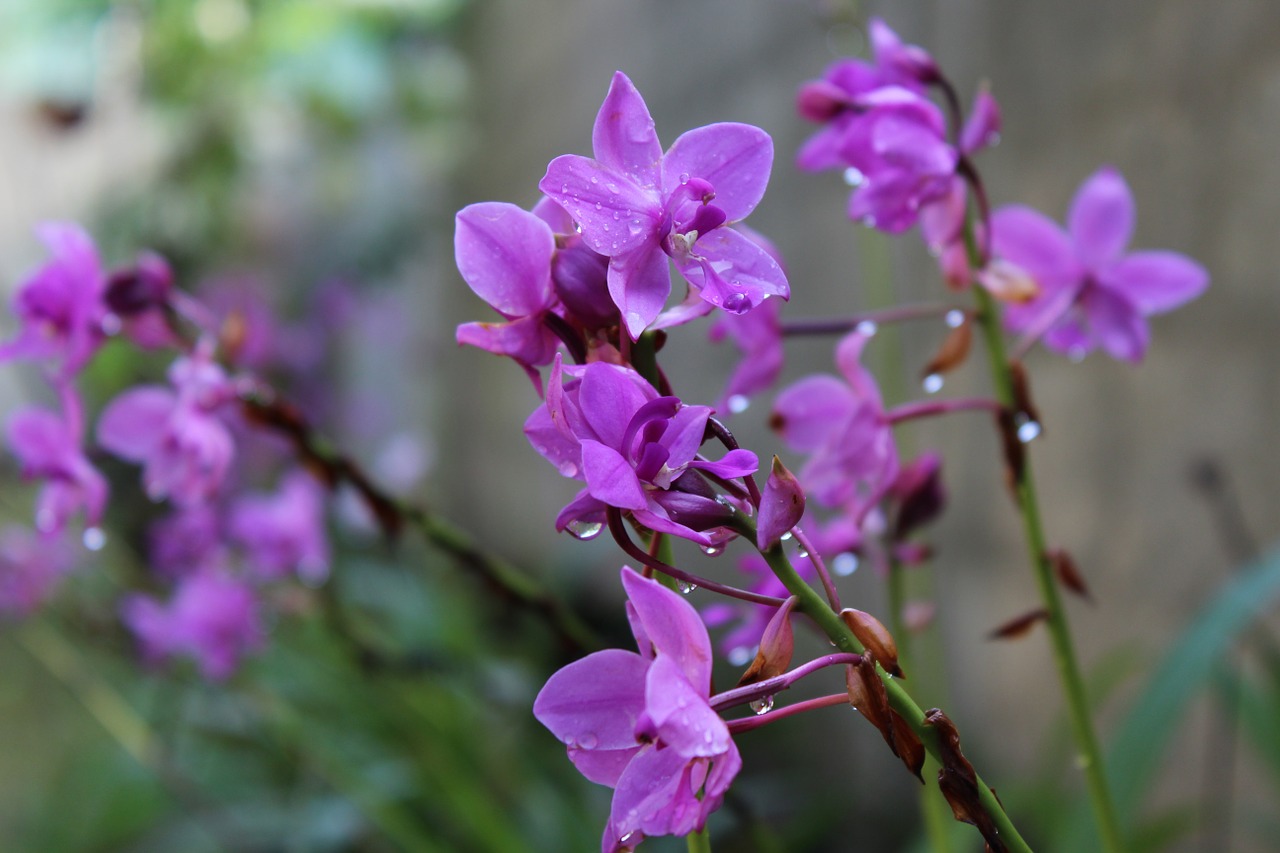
(639, 207)
(177, 435)
(187, 541)
(642, 723)
(212, 618)
(841, 423)
(635, 450)
(31, 566)
(47, 445)
(284, 532)
(60, 305)
(1091, 293)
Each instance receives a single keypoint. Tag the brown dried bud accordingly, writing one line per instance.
(1068, 573)
(868, 696)
(1015, 454)
(1019, 626)
(953, 350)
(958, 781)
(1022, 391)
(875, 637)
(776, 647)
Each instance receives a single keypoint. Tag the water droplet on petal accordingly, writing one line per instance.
(845, 564)
(625, 841)
(599, 206)
(867, 327)
(111, 324)
(685, 587)
(802, 553)
(595, 179)
(955, 318)
(741, 655)
(94, 538)
(852, 177)
(1028, 431)
(568, 469)
(736, 303)
(738, 403)
(564, 188)
(932, 383)
(588, 741)
(761, 706)
(684, 177)
(584, 530)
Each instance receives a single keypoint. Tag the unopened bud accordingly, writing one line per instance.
(776, 647)
(875, 637)
(781, 506)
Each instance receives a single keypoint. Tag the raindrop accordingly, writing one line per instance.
(932, 383)
(1028, 430)
(738, 403)
(584, 530)
(845, 564)
(568, 469)
(853, 177)
(564, 188)
(94, 538)
(685, 587)
(588, 741)
(955, 318)
(761, 706)
(786, 537)
(577, 227)
(599, 206)
(736, 303)
(613, 188)
(111, 324)
(615, 216)
(595, 179)
(712, 550)
(684, 177)
(867, 327)
(802, 553)
(740, 655)
(625, 841)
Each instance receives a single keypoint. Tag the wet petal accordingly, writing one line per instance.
(680, 713)
(617, 215)
(733, 272)
(624, 138)
(504, 255)
(672, 625)
(594, 702)
(610, 478)
(640, 283)
(734, 158)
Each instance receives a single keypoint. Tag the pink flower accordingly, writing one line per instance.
(642, 723)
(31, 566)
(48, 446)
(284, 532)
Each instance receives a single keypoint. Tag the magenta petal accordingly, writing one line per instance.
(1101, 218)
(734, 158)
(610, 478)
(822, 150)
(556, 447)
(684, 435)
(594, 702)
(806, 412)
(736, 463)
(624, 138)
(504, 255)
(527, 340)
(40, 439)
(651, 798)
(1116, 323)
(1156, 281)
(983, 127)
(680, 713)
(617, 215)
(672, 625)
(781, 506)
(640, 283)
(609, 396)
(584, 509)
(133, 424)
(733, 272)
(602, 766)
(1035, 243)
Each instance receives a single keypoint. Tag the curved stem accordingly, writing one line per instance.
(932, 408)
(1060, 633)
(746, 724)
(699, 842)
(819, 565)
(895, 314)
(751, 692)
(620, 535)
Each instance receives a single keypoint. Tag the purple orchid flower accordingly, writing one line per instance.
(1090, 292)
(48, 446)
(842, 424)
(187, 541)
(642, 723)
(638, 207)
(635, 450)
(212, 618)
(61, 305)
(284, 532)
(177, 435)
(31, 566)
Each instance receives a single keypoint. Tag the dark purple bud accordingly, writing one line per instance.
(144, 286)
(781, 506)
(919, 494)
(693, 511)
(820, 100)
(579, 276)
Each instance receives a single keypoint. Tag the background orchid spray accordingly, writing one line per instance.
(298, 654)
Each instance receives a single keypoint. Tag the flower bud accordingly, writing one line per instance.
(781, 506)
(875, 638)
(139, 288)
(776, 647)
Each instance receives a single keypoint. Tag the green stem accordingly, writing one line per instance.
(815, 607)
(1063, 650)
(699, 842)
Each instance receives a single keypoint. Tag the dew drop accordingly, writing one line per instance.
(741, 655)
(684, 177)
(738, 403)
(786, 537)
(111, 324)
(595, 179)
(802, 553)
(736, 303)
(616, 216)
(845, 564)
(599, 206)
(94, 538)
(564, 188)
(1028, 431)
(955, 318)
(932, 383)
(712, 550)
(588, 741)
(584, 530)
(625, 841)
(867, 327)
(761, 706)
(635, 227)
(853, 177)
(568, 469)
(613, 188)
(685, 587)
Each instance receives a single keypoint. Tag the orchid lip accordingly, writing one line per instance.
(660, 409)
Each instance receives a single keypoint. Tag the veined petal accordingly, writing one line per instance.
(640, 283)
(617, 215)
(1101, 218)
(806, 413)
(624, 138)
(680, 713)
(610, 478)
(593, 703)
(504, 255)
(1035, 243)
(1156, 281)
(734, 158)
(672, 626)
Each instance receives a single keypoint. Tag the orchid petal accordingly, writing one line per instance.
(680, 713)
(1156, 281)
(1035, 243)
(672, 625)
(640, 283)
(133, 424)
(504, 255)
(806, 412)
(617, 214)
(735, 159)
(1116, 323)
(609, 397)
(1101, 218)
(594, 702)
(610, 477)
(624, 138)
(735, 463)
